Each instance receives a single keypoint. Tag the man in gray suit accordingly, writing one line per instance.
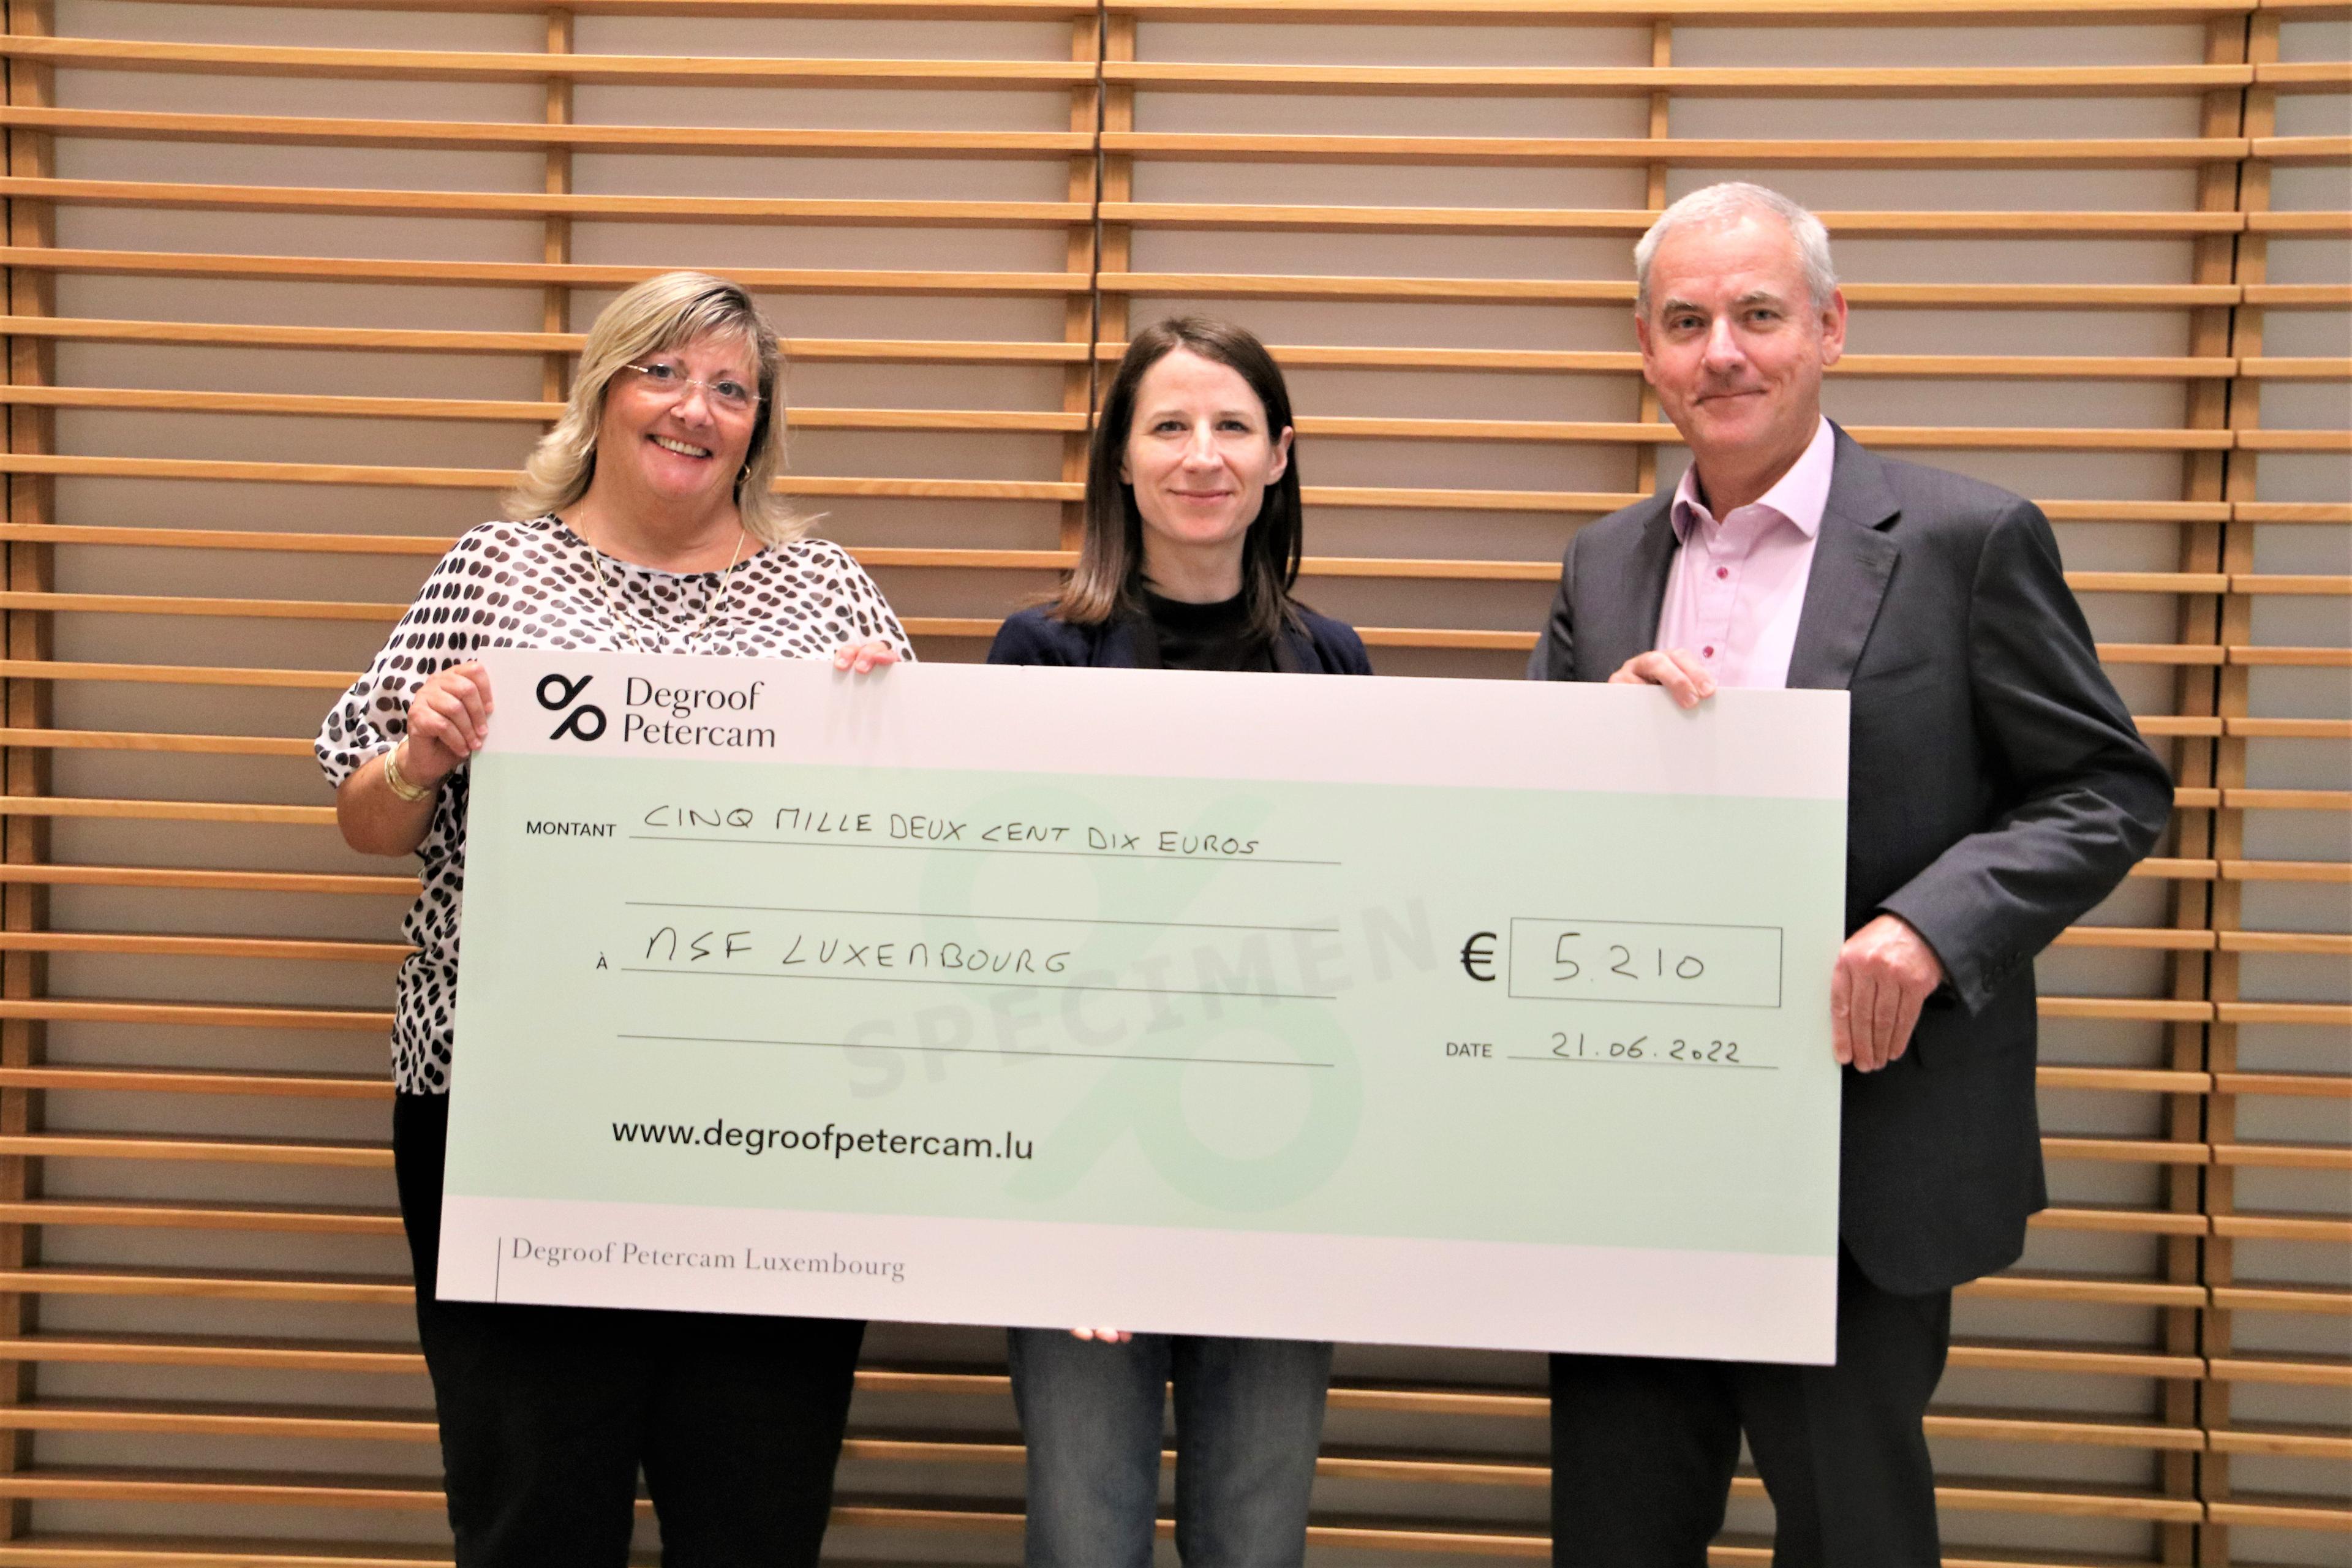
(1996, 790)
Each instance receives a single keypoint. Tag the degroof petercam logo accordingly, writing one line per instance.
(557, 693)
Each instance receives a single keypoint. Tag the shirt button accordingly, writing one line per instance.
(1708, 650)
(1722, 571)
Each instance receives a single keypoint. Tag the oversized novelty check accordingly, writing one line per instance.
(1440, 1011)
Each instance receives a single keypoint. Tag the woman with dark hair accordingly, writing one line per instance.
(1193, 523)
(1192, 546)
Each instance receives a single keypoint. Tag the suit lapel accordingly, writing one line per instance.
(1853, 559)
(1628, 624)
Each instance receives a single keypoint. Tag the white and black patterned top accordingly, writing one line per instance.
(534, 584)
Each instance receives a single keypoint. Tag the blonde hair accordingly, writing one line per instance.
(658, 315)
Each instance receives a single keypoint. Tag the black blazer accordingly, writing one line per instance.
(1033, 637)
(1998, 789)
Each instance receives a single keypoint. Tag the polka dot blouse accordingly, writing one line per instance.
(535, 585)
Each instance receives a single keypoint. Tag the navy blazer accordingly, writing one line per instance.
(1997, 789)
(1033, 637)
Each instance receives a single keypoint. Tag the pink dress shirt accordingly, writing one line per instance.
(1738, 584)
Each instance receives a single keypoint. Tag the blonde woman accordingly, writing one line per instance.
(645, 523)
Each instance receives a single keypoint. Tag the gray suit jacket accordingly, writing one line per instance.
(1998, 789)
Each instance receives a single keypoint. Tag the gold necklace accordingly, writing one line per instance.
(622, 620)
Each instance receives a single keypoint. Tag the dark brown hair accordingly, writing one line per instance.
(1108, 581)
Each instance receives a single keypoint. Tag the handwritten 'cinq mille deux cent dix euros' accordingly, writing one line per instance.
(908, 828)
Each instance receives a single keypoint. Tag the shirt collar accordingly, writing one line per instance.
(1801, 497)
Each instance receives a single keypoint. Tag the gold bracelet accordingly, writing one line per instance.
(412, 792)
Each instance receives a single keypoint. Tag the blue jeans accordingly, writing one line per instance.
(1249, 1415)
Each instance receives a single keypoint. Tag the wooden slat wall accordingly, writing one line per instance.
(289, 291)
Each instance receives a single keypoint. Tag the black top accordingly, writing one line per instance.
(1203, 636)
(1190, 638)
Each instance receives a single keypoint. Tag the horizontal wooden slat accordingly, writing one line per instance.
(2283, 1156)
(218, 1488)
(2169, 938)
(2325, 1014)
(455, 65)
(62, 1213)
(330, 1290)
(2181, 869)
(185, 1080)
(2003, 296)
(2330, 1514)
(2300, 1370)
(2126, 1150)
(2294, 440)
(2304, 76)
(49, 1549)
(2082, 1501)
(2301, 1298)
(1631, 221)
(428, 65)
(2298, 296)
(525, 274)
(1682, 152)
(358, 1358)
(1598, 12)
(213, 1421)
(2293, 511)
(2121, 1221)
(176, 674)
(2303, 149)
(413, 340)
(2036, 1287)
(165, 195)
(157, 741)
(206, 881)
(2286, 871)
(2132, 1081)
(203, 1015)
(334, 406)
(165, 946)
(2328, 1228)
(2292, 728)
(2292, 223)
(2287, 583)
(211, 1150)
(2036, 1427)
(1696, 81)
(2067, 1360)
(2298, 1442)
(2294, 1085)
(336, 131)
(2148, 1009)
(2288, 799)
(166, 810)
(2275, 368)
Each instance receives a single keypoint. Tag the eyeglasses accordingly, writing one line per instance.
(727, 394)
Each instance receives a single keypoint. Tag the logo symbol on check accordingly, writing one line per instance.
(556, 693)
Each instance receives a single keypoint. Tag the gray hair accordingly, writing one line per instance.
(658, 315)
(1726, 203)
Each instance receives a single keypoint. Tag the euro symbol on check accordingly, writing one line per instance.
(1477, 955)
